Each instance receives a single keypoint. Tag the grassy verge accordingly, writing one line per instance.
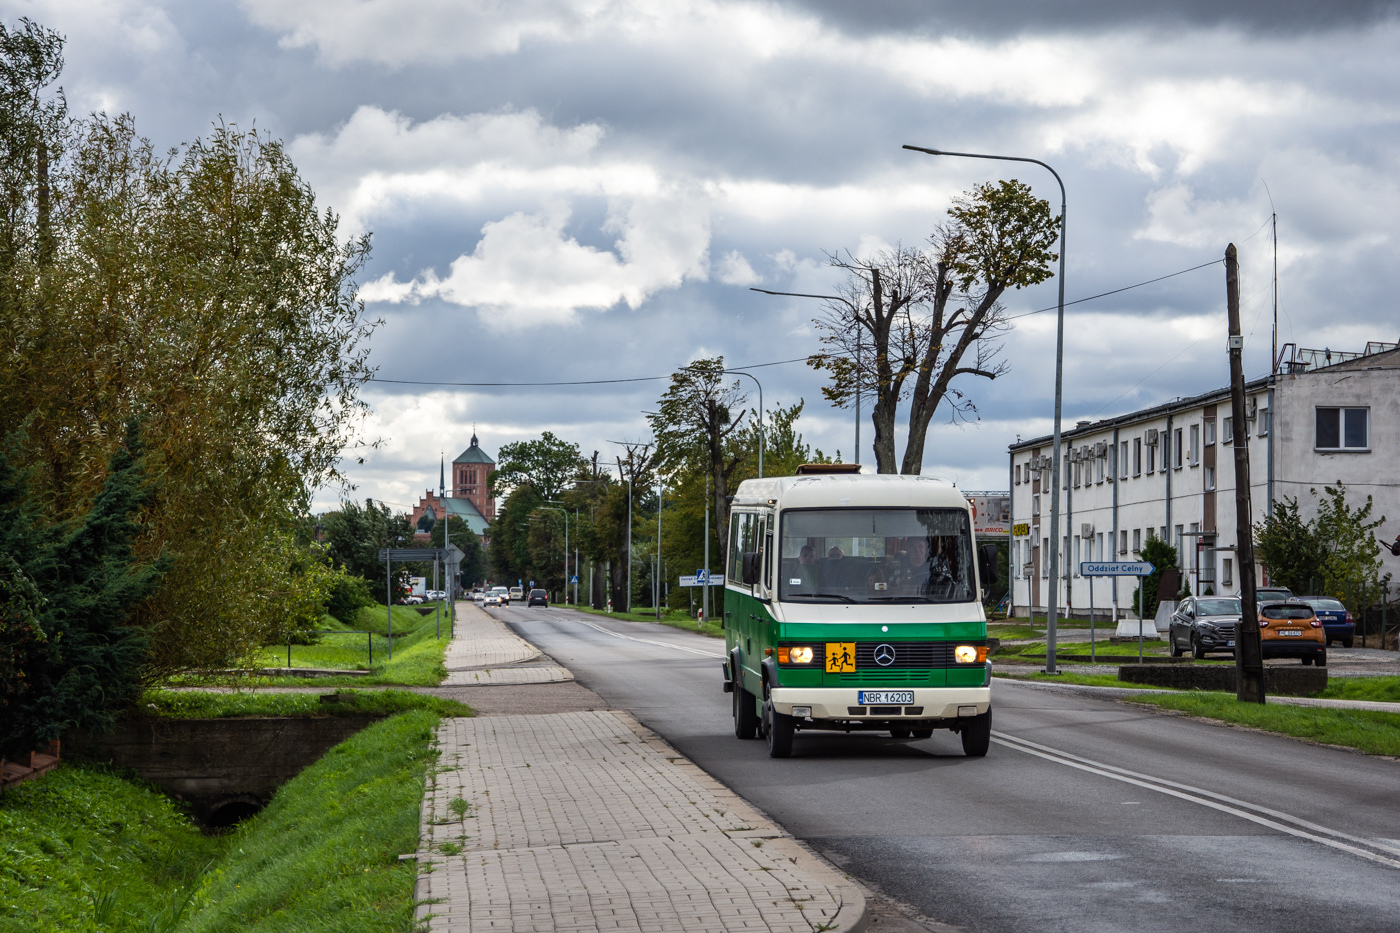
(1083, 680)
(1373, 733)
(89, 852)
(674, 618)
(1376, 689)
(417, 661)
(1101, 648)
(166, 704)
(1019, 628)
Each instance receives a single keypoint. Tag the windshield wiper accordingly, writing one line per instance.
(839, 596)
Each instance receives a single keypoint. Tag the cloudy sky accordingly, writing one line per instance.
(586, 190)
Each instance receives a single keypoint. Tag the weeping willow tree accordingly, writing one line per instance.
(201, 291)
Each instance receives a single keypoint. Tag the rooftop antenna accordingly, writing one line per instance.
(1273, 216)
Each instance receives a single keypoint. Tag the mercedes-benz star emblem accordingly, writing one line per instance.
(884, 655)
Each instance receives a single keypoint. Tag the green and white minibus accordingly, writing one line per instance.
(852, 602)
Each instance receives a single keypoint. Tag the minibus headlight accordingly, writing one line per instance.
(970, 654)
(801, 654)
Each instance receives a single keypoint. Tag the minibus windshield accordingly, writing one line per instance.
(876, 556)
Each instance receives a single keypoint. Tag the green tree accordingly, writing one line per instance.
(1352, 569)
(908, 319)
(547, 464)
(1160, 555)
(91, 581)
(695, 421)
(203, 291)
(1290, 547)
(354, 536)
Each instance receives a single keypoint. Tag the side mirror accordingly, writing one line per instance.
(750, 569)
(987, 565)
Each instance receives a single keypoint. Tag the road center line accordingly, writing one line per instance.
(659, 644)
(1202, 798)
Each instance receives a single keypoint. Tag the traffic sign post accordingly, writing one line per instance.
(1115, 568)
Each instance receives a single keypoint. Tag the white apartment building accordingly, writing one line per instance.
(1169, 472)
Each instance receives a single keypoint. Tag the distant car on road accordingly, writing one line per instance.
(538, 598)
(478, 596)
(517, 592)
(491, 599)
(501, 593)
(1292, 630)
(1336, 621)
(1204, 624)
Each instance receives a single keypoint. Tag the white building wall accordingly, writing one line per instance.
(1282, 427)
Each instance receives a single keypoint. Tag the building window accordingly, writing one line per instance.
(1210, 433)
(1100, 467)
(1137, 456)
(1194, 451)
(1044, 558)
(1176, 449)
(1035, 505)
(1180, 551)
(1151, 459)
(1210, 479)
(1228, 573)
(1123, 460)
(1264, 421)
(1343, 429)
(1017, 480)
(1077, 555)
(1227, 431)
(1098, 552)
(1123, 541)
(1137, 540)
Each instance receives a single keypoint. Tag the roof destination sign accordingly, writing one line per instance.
(1115, 568)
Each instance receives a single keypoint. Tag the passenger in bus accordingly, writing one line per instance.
(804, 575)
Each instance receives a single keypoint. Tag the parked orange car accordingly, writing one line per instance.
(1292, 630)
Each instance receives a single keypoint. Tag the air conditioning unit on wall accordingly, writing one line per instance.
(1101, 449)
(1151, 439)
(1086, 530)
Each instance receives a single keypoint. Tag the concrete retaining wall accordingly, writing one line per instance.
(216, 763)
(1283, 681)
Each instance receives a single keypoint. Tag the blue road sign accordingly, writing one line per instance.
(574, 578)
(1115, 568)
(702, 577)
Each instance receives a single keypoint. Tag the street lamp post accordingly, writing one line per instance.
(1059, 395)
(854, 312)
(566, 545)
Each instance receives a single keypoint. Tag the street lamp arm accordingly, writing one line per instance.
(998, 158)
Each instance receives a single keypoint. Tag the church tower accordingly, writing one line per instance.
(469, 474)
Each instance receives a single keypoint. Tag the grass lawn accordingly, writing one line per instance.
(182, 705)
(676, 618)
(417, 661)
(1373, 733)
(1101, 648)
(87, 851)
(1083, 680)
(1379, 689)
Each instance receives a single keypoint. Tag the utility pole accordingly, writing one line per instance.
(1249, 656)
(656, 576)
(705, 602)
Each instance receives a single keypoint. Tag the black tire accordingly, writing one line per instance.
(1197, 651)
(922, 733)
(977, 734)
(1321, 658)
(745, 719)
(780, 730)
(1176, 649)
(899, 732)
(1347, 642)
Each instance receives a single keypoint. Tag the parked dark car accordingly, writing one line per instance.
(1204, 624)
(538, 598)
(1336, 621)
(1292, 630)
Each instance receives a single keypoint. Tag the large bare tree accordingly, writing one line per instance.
(910, 321)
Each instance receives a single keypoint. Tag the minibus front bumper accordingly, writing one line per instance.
(843, 703)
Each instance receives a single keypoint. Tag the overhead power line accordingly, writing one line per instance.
(800, 359)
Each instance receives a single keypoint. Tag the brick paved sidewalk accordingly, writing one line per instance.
(588, 821)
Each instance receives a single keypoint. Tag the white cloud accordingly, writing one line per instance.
(525, 271)
(734, 269)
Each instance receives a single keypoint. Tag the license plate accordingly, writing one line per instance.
(884, 697)
(1285, 632)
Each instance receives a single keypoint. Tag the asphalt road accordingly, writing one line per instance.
(1087, 815)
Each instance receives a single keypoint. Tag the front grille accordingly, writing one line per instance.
(884, 678)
